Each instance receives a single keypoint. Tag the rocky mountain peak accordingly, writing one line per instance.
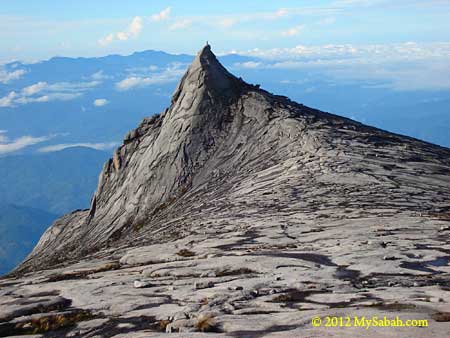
(211, 148)
(206, 71)
(242, 209)
(206, 81)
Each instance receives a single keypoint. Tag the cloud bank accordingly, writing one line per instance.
(100, 102)
(403, 66)
(45, 92)
(171, 74)
(134, 29)
(6, 77)
(9, 146)
(62, 146)
(161, 16)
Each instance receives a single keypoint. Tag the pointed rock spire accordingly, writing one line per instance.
(222, 143)
(206, 73)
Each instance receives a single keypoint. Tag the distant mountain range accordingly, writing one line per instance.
(55, 182)
(20, 229)
(36, 189)
(95, 101)
(92, 101)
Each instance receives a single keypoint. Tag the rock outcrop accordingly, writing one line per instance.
(243, 214)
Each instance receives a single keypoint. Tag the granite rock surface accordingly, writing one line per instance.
(239, 213)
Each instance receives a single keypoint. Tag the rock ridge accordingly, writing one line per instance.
(218, 132)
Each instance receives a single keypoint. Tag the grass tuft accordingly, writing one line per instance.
(186, 253)
(206, 323)
(162, 324)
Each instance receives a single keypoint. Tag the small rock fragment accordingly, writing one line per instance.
(203, 285)
(441, 316)
(140, 285)
(182, 325)
(180, 315)
(210, 274)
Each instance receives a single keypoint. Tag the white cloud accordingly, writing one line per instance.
(231, 20)
(327, 21)
(122, 36)
(99, 76)
(48, 98)
(62, 96)
(281, 12)
(72, 86)
(8, 100)
(248, 64)
(403, 66)
(181, 24)
(97, 146)
(135, 27)
(25, 100)
(35, 88)
(100, 102)
(227, 22)
(215, 21)
(59, 87)
(130, 82)
(163, 15)
(266, 16)
(151, 68)
(170, 74)
(7, 147)
(353, 3)
(45, 92)
(106, 40)
(133, 30)
(371, 53)
(6, 76)
(292, 31)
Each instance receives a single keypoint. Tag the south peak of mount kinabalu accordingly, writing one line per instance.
(234, 209)
(225, 148)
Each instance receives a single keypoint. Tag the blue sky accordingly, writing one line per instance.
(41, 29)
(399, 47)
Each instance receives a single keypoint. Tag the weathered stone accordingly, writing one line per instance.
(203, 285)
(140, 284)
(181, 325)
(180, 315)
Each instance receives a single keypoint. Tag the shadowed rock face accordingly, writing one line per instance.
(244, 214)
